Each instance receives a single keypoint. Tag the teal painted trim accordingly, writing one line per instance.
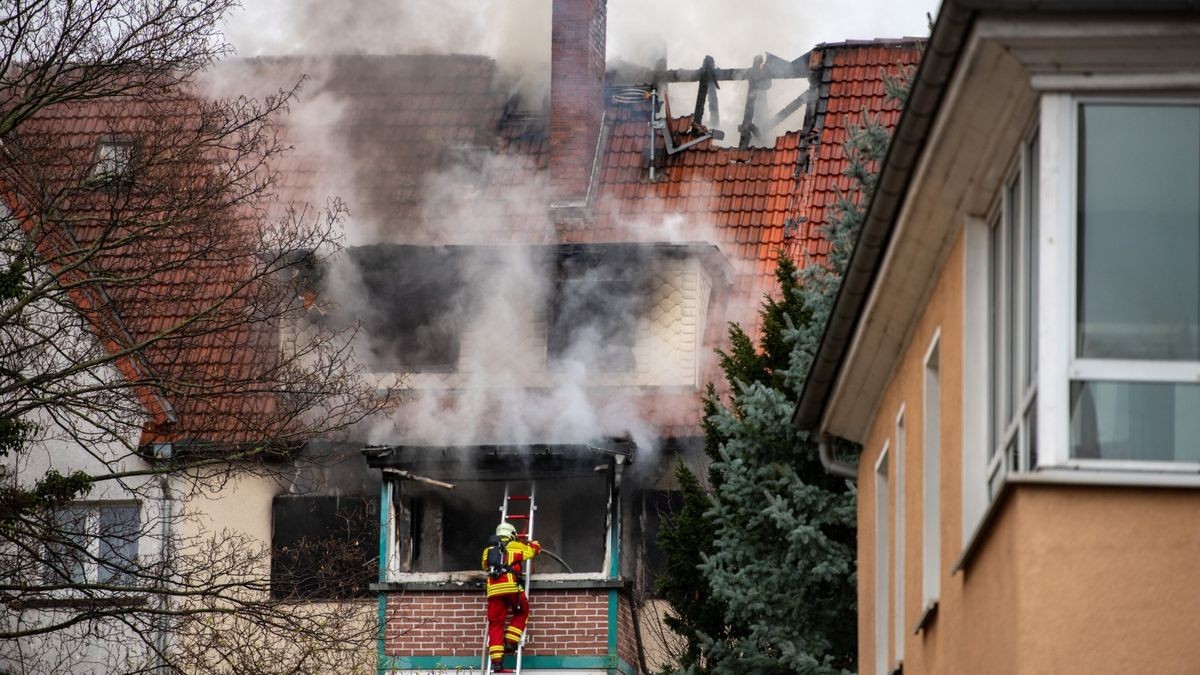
(625, 668)
(614, 538)
(472, 662)
(612, 623)
(385, 509)
(385, 503)
(382, 625)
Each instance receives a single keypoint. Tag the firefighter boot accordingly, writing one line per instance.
(510, 647)
(498, 667)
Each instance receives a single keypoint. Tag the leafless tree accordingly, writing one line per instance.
(147, 283)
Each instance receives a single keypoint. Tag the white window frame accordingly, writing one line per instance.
(882, 566)
(91, 566)
(1011, 430)
(898, 487)
(1058, 289)
(931, 487)
(112, 161)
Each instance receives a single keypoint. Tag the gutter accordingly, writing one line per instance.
(832, 466)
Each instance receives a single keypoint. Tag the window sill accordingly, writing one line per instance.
(456, 581)
(1116, 476)
(117, 601)
(927, 617)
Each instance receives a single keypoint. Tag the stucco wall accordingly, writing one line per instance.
(942, 315)
(1107, 579)
(242, 506)
(1062, 579)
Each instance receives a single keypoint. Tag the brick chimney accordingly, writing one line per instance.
(577, 38)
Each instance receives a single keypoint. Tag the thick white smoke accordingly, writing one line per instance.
(501, 390)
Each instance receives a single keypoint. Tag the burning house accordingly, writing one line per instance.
(548, 287)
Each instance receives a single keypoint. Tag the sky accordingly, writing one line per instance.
(516, 33)
(732, 31)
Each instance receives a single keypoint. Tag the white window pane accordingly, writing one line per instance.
(1030, 430)
(995, 366)
(1012, 227)
(67, 546)
(932, 488)
(1135, 421)
(881, 565)
(118, 528)
(1031, 257)
(1139, 232)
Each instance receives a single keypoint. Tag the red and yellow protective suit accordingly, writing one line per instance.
(505, 594)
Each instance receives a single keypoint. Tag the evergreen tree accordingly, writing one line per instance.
(775, 537)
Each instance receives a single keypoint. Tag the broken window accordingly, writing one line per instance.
(113, 161)
(323, 547)
(594, 313)
(412, 314)
(444, 530)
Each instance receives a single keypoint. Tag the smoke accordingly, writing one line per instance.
(516, 33)
(498, 363)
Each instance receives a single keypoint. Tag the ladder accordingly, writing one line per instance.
(522, 519)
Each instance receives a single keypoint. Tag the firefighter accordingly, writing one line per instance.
(506, 592)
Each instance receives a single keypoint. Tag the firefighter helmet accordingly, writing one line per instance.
(506, 530)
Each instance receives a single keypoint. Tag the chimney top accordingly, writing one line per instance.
(577, 55)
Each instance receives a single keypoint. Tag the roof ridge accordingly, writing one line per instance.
(873, 42)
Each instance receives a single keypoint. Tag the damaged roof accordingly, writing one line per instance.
(407, 139)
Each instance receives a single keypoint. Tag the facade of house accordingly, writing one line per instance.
(696, 240)
(1014, 346)
(544, 287)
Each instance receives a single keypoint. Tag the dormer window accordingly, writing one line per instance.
(410, 305)
(113, 162)
(595, 309)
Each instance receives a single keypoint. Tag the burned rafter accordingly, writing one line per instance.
(707, 90)
(765, 68)
(773, 66)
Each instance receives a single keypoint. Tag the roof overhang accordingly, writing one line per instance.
(971, 102)
(500, 462)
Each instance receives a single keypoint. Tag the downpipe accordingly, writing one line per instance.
(833, 466)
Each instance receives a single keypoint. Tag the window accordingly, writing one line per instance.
(1012, 297)
(931, 568)
(882, 493)
(94, 544)
(323, 546)
(1135, 353)
(595, 310)
(443, 530)
(410, 302)
(899, 622)
(113, 162)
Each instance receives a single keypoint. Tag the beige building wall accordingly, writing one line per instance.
(941, 317)
(1061, 579)
(243, 506)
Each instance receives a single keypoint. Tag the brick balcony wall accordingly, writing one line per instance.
(451, 623)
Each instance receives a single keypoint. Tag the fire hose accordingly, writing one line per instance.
(562, 562)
